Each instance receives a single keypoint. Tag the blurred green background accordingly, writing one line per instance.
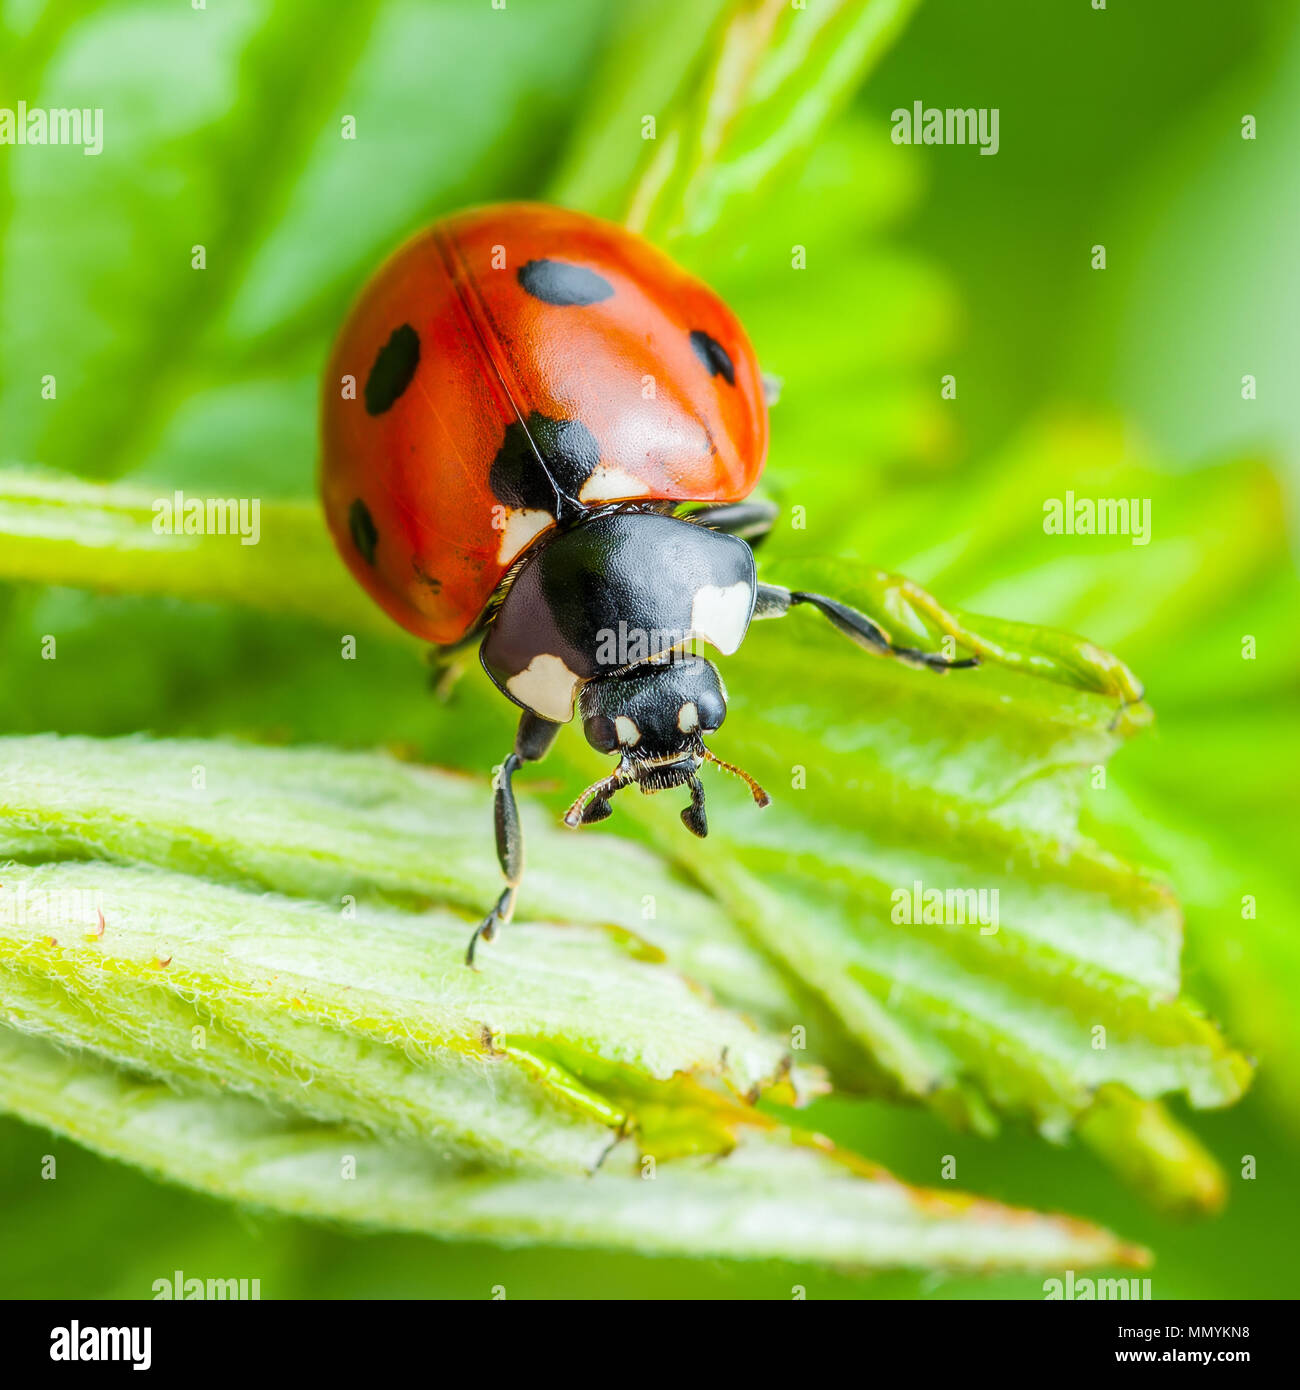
(1120, 127)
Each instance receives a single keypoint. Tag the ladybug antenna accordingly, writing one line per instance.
(761, 798)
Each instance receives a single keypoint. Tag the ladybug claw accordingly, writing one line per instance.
(487, 928)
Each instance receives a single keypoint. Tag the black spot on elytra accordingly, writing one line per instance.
(425, 578)
(569, 454)
(364, 535)
(558, 282)
(394, 366)
(714, 356)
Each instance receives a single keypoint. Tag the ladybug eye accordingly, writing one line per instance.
(601, 733)
(712, 711)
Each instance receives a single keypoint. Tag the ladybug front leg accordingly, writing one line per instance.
(532, 742)
(775, 602)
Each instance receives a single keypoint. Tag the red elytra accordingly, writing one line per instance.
(511, 363)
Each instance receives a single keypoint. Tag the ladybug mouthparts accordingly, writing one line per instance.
(651, 775)
(657, 775)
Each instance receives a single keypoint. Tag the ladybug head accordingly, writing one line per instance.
(655, 717)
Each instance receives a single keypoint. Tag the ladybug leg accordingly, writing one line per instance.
(448, 664)
(532, 742)
(593, 805)
(693, 816)
(751, 520)
(776, 602)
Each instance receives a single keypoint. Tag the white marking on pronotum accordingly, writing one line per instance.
(688, 717)
(627, 731)
(522, 525)
(720, 616)
(608, 484)
(547, 686)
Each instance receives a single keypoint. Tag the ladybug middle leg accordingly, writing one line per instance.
(532, 742)
(775, 602)
(447, 664)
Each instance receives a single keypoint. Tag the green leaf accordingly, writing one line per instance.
(1207, 801)
(969, 783)
(767, 77)
(367, 1017)
(1074, 991)
(329, 825)
(374, 1019)
(767, 1201)
(60, 530)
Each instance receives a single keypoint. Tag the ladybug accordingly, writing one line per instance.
(549, 451)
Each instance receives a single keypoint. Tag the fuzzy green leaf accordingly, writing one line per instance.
(767, 1201)
(373, 1018)
(1075, 990)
